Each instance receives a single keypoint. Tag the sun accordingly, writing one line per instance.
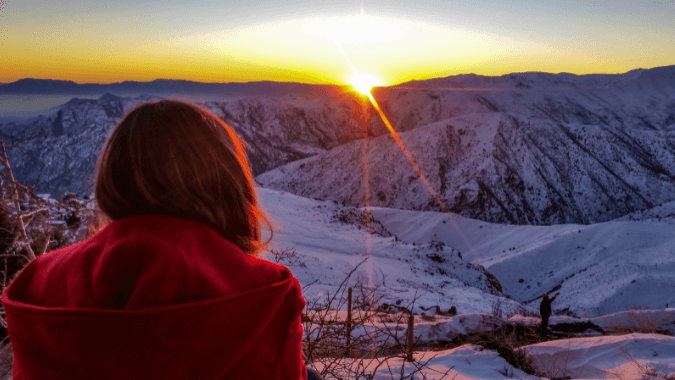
(363, 82)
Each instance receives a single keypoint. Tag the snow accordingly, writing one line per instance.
(523, 148)
(648, 320)
(600, 269)
(621, 357)
(654, 320)
(462, 363)
(327, 249)
(526, 148)
(663, 212)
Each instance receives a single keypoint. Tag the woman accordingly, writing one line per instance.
(172, 288)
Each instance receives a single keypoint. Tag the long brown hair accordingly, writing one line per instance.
(174, 158)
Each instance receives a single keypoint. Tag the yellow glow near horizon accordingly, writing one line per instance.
(304, 50)
(364, 82)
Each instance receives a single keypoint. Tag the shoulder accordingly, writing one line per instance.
(209, 262)
(35, 282)
(125, 246)
(266, 265)
(200, 240)
(273, 270)
(90, 273)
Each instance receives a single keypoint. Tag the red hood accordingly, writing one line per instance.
(155, 297)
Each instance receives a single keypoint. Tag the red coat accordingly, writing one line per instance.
(155, 297)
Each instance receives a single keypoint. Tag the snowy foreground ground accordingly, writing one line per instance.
(618, 276)
(633, 356)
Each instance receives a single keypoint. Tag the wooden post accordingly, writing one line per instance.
(409, 340)
(349, 322)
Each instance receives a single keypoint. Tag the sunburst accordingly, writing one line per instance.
(363, 82)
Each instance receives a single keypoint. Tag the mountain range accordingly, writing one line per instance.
(530, 148)
(160, 86)
(523, 148)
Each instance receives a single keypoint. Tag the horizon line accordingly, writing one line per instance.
(326, 83)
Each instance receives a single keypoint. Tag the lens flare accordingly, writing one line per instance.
(417, 169)
(363, 83)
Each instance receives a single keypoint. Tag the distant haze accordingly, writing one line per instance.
(32, 97)
(13, 107)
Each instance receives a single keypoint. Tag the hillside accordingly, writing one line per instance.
(600, 269)
(330, 240)
(277, 130)
(526, 148)
(523, 148)
(424, 255)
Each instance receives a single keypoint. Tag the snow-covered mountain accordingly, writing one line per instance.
(529, 148)
(623, 268)
(329, 240)
(30, 86)
(524, 148)
(277, 130)
(598, 269)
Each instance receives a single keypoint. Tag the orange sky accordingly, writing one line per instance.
(97, 42)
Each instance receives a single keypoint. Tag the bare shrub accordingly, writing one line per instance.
(646, 371)
(288, 257)
(497, 308)
(31, 225)
(507, 341)
(520, 310)
(636, 322)
(656, 372)
(6, 359)
(557, 367)
(506, 372)
(376, 337)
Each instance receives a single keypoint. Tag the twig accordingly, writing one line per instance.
(44, 250)
(15, 197)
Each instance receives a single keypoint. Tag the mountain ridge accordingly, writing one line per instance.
(583, 150)
(518, 155)
(32, 85)
(51, 86)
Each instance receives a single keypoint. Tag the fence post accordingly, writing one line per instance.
(349, 322)
(409, 340)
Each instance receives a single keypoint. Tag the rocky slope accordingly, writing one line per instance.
(277, 130)
(528, 148)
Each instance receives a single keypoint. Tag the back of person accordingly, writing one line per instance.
(545, 305)
(171, 289)
(545, 312)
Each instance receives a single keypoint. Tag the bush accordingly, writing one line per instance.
(354, 349)
(31, 226)
(287, 257)
(507, 341)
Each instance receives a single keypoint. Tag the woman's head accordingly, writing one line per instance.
(174, 158)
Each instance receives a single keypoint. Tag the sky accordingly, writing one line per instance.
(101, 41)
